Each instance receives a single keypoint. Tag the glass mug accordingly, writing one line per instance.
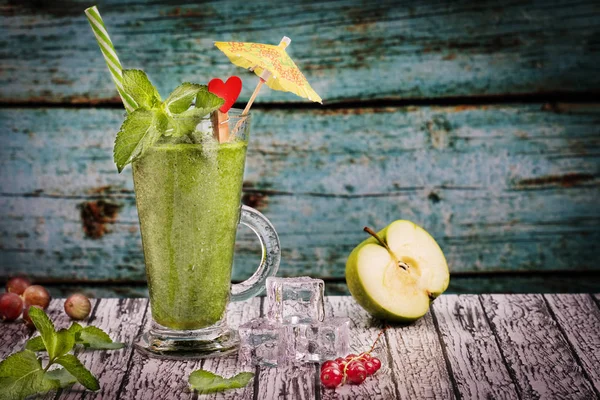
(188, 196)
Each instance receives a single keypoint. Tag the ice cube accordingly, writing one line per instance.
(295, 300)
(259, 342)
(315, 342)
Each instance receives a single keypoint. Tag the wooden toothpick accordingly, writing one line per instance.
(254, 94)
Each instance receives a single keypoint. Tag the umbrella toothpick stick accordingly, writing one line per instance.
(263, 78)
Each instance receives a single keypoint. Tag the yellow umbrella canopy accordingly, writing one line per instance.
(272, 64)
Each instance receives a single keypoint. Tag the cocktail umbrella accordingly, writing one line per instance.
(273, 66)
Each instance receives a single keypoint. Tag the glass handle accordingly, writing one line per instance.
(271, 255)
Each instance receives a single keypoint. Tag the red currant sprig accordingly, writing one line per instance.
(354, 368)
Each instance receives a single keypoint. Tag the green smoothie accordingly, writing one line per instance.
(188, 201)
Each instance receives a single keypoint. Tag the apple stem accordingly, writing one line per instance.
(371, 232)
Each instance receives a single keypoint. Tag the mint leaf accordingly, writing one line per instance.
(35, 344)
(139, 87)
(208, 101)
(35, 382)
(181, 98)
(81, 373)
(65, 341)
(21, 375)
(46, 328)
(74, 328)
(56, 343)
(95, 338)
(178, 127)
(208, 382)
(18, 364)
(62, 376)
(198, 113)
(139, 132)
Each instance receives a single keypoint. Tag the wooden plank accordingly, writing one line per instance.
(537, 352)
(417, 361)
(345, 153)
(167, 379)
(347, 50)
(289, 382)
(13, 336)
(122, 320)
(477, 365)
(578, 317)
(537, 168)
(317, 246)
(364, 331)
(533, 282)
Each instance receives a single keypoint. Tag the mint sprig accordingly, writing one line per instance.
(155, 118)
(207, 382)
(89, 337)
(22, 374)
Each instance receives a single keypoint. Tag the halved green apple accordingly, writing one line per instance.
(398, 272)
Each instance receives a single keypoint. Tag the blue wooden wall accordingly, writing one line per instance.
(478, 120)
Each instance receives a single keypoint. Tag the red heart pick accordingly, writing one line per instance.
(229, 91)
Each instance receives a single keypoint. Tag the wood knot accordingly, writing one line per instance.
(95, 215)
(439, 128)
(434, 198)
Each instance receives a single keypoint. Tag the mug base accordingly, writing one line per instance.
(161, 342)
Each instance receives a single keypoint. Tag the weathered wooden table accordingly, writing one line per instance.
(468, 346)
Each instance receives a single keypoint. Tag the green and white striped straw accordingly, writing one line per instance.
(110, 55)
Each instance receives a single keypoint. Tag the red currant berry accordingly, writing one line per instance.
(331, 377)
(356, 372)
(376, 363)
(341, 362)
(350, 356)
(365, 357)
(11, 306)
(370, 367)
(330, 363)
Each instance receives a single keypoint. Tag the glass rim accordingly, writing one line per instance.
(236, 115)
